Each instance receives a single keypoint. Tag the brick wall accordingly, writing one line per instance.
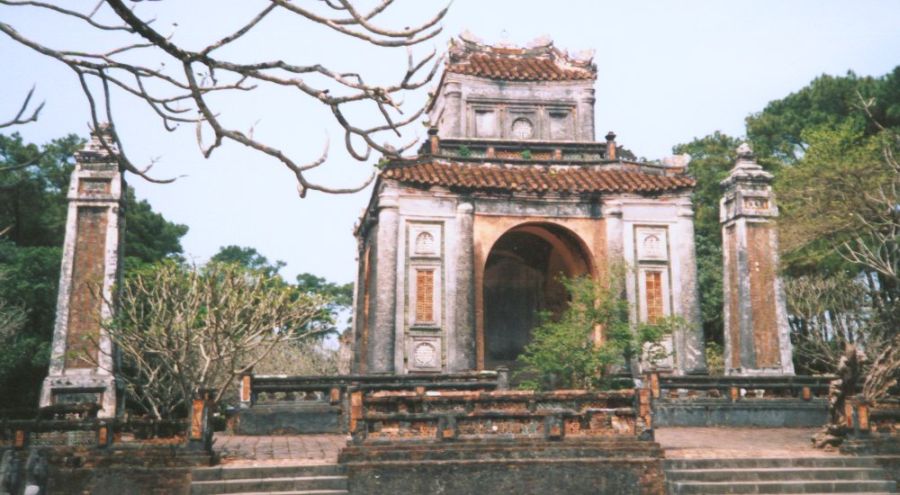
(762, 295)
(87, 278)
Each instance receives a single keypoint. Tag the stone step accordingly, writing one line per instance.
(777, 474)
(245, 472)
(269, 484)
(300, 492)
(786, 462)
(780, 487)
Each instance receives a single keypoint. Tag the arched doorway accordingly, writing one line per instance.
(521, 278)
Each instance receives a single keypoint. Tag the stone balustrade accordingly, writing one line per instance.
(735, 388)
(451, 415)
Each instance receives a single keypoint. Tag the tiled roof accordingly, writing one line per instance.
(543, 62)
(517, 69)
(534, 178)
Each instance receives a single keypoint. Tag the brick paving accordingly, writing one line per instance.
(733, 443)
(279, 450)
(679, 443)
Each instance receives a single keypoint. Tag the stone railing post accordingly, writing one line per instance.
(245, 389)
(502, 378)
(200, 429)
(357, 422)
(104, 437)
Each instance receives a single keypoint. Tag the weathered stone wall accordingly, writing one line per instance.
(87, 278)
(461, 96)
(621, 467)
(118, 470)
(762, 295)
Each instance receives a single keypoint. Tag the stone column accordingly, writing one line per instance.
(82, 354)
(451, 120)
(690, 353)
(585, 110)
(757, 335)
(381, 335)
(464, 352)
(359, 290)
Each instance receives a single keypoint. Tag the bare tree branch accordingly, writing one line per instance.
(180, 93)
(20, 116)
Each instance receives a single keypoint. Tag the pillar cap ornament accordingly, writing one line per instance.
(94, 152)
(746, 169)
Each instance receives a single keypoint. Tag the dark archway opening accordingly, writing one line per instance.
(522, 278)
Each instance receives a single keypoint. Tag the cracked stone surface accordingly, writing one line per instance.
(279, 450)
(725, 443)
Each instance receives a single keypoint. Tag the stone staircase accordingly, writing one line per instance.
(325, 479)
(809, 475)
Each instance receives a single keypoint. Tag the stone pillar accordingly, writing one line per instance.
(381, 335)
(689, 349)
(451, 121)
(611, 210)
(82, 354)
(464, 352)
(585, 110)
(757, 335)
(359, 291)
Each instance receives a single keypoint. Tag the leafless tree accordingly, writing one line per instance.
(185, 92)
(826, 315)
(182, 331)
(304, 357)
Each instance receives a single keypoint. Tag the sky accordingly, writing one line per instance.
(668, 71)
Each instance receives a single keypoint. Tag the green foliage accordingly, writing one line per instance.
(715, 358)
(33, 185)
(526, 154)
(248, 258)
(822, 193)
(562, 353)
(826, 102)
(711, 158)
(29, 280)
(338, 297)
(464, 151)
(149, 237)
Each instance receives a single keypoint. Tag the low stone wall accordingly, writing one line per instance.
(450, 415)
(523, 442)
(585, 465)
(275, 405)
(144, 469)
(290, 418)
(759, 401)
(766, 413)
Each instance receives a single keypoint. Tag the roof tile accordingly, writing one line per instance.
(530, 178)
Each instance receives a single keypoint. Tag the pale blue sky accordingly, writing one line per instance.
(668, 71)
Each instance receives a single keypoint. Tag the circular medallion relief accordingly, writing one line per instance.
(522, 128)
(424, 355)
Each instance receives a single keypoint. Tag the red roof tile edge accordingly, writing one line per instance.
(534, 178)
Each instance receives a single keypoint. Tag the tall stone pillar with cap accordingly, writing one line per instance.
(82, 355)
(757, 335)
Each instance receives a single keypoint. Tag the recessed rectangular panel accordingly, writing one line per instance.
(85, 300)
(652, 243)
(762, 295)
